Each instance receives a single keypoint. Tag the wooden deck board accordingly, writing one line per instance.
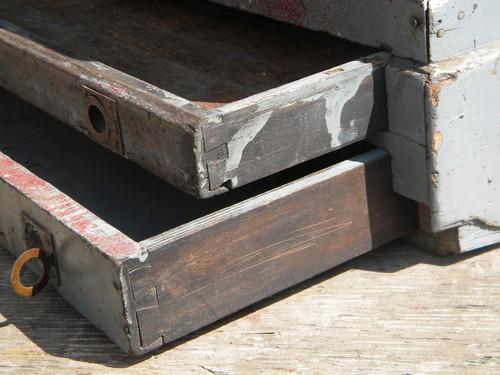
(394, 310)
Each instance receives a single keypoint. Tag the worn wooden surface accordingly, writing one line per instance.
(209, 268)
(189, 269)
(396, 310)
(205, 53)
(204, 96)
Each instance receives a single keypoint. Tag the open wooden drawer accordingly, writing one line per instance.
(205, 97)
(147, 263)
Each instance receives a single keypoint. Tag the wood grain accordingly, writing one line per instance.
(394, 310)
(205, 53)
(207, 269)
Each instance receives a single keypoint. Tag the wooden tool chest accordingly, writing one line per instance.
(323, 148)
(205, 97)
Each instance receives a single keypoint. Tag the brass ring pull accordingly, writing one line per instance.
(15, 277)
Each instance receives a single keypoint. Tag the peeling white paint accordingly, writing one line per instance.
(335, 102)
(143, 255)
(436, 4)
(236, 146)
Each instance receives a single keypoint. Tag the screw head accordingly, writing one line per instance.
(461, 15)
(440, 33)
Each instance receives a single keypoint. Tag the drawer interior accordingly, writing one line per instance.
(121, 193)
(206, 53)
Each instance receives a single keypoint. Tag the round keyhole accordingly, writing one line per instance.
(97, 119)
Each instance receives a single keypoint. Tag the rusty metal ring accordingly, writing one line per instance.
(15, 277)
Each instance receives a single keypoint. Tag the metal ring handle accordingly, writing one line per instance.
(15, 277)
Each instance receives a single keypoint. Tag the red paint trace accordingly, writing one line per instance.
(71, 214)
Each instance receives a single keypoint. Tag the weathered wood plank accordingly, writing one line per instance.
(213, 267)
(297, 122)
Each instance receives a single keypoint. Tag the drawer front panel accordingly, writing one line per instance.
(214, 267)
(298, 122)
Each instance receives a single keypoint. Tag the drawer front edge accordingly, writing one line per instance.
(296, 122)
(208, 269)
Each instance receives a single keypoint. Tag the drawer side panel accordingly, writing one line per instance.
(87, 251)
(159, 131)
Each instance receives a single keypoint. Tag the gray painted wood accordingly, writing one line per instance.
(410, 176)
(457, 26)
(463, 137)
(406, 100)
(455, 103)
(406, 136)
(89, 277)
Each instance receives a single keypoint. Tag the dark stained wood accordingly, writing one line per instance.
(210, 268)
(205, 53)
